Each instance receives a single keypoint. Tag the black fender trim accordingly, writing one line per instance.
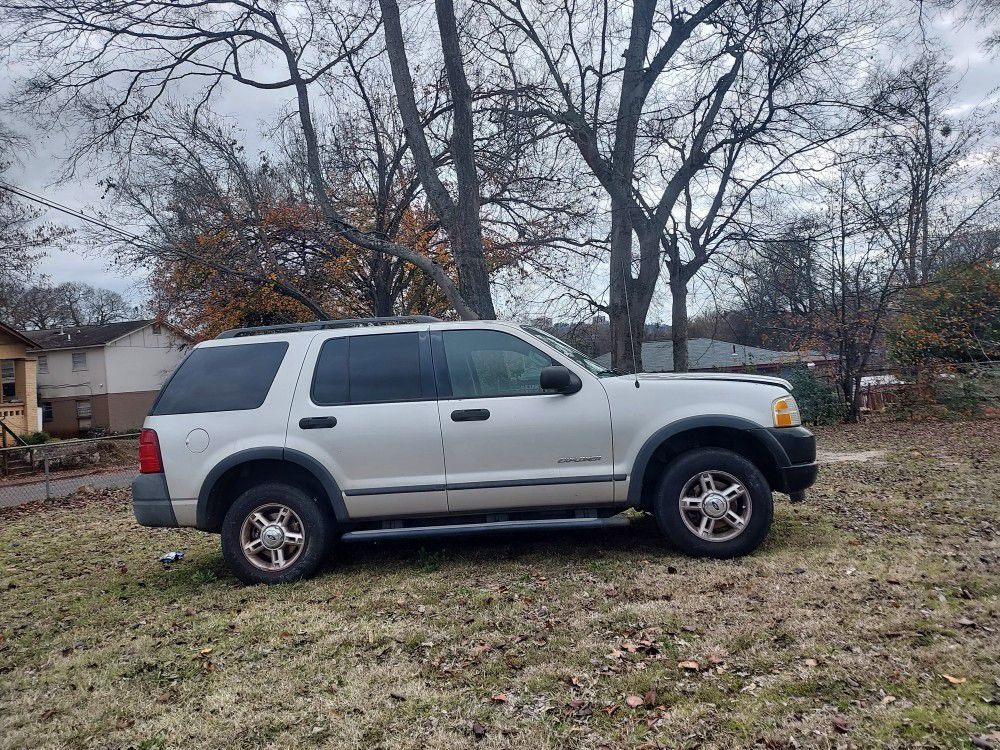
(308, 463)
(324, 477)
(754, 431)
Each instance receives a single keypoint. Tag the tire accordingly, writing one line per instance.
(275, 515)
(708, 505)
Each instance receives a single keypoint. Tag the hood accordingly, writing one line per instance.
(723, 376)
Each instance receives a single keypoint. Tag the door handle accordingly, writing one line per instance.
(470, 415)
(317, 423)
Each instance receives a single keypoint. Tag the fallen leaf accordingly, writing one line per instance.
(499, 698)
(650, 697)
(634, 701)
(840, 724)
(478, 729)
(965, 622)
(954, 680)
(691, 665)
(811, 662)
(886, 700)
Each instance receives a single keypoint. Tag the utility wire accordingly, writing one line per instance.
(55, 205)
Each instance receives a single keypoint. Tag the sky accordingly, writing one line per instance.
(40, 167)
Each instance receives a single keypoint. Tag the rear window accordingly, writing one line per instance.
(222, 378)
(368, 369)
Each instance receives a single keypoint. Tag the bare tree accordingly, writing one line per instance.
(45, 305)
(830, 283)
(682, 115)
(110, 66)
(931, 174)
(23, 236)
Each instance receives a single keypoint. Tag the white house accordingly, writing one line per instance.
(103, 377)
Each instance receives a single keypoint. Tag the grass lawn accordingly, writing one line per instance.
(870, 618)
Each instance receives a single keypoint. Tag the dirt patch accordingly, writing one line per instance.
(870, 618)
(836, 457)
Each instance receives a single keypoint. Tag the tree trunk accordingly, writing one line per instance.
(459, 218)
(679, 321)
(465, 230)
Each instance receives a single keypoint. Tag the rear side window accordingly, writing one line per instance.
(222, 378)
(368, 369)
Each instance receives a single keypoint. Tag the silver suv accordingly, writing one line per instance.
(288, 439)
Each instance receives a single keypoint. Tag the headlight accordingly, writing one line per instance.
(786, 412)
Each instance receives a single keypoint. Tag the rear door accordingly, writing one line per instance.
(507, 443)
(365, 407)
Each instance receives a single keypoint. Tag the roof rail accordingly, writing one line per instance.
(319, 325)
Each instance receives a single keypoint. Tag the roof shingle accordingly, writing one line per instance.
(71, 337)
(710, 354)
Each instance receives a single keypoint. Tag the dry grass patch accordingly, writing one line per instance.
(838, 632)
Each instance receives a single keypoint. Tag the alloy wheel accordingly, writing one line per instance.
(272, 537)
(715, 506)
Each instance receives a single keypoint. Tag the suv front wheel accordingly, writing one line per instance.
(274, 533)
(712, 502)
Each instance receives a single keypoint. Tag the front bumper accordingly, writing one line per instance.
(799, 470)
(151, 501)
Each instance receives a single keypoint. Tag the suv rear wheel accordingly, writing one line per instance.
(712, 502)
(274, 533)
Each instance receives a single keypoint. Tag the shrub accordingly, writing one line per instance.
(818, 402)
(36, 438)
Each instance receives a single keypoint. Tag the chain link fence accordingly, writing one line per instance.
(53, 470)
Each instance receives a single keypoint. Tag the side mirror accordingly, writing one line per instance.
(559, 379)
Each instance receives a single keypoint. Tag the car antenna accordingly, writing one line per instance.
(631, 335)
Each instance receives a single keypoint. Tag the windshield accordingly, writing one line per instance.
(563, 348)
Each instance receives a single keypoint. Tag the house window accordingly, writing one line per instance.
(7, 378)
(83, 409)
(43, 364)
(79, 361)
(46, 411)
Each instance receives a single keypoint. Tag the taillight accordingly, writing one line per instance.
(150, 461)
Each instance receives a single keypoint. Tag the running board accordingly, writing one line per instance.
(488, 527)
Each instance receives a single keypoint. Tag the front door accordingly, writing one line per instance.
(508, 444)
(365, 407)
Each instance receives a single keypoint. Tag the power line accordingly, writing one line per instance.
(55, 205)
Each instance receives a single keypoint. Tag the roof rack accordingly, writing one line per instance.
(320, 325)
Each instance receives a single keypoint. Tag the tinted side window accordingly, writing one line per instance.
(384, 367)
(329, 386)
(492, 363)
(367, 369)
(222, 378)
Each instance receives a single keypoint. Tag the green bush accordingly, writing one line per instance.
(36, 438)
(818, 402)
(968, 393)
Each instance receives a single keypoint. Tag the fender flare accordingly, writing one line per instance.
(754, 431)
(310, 464)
